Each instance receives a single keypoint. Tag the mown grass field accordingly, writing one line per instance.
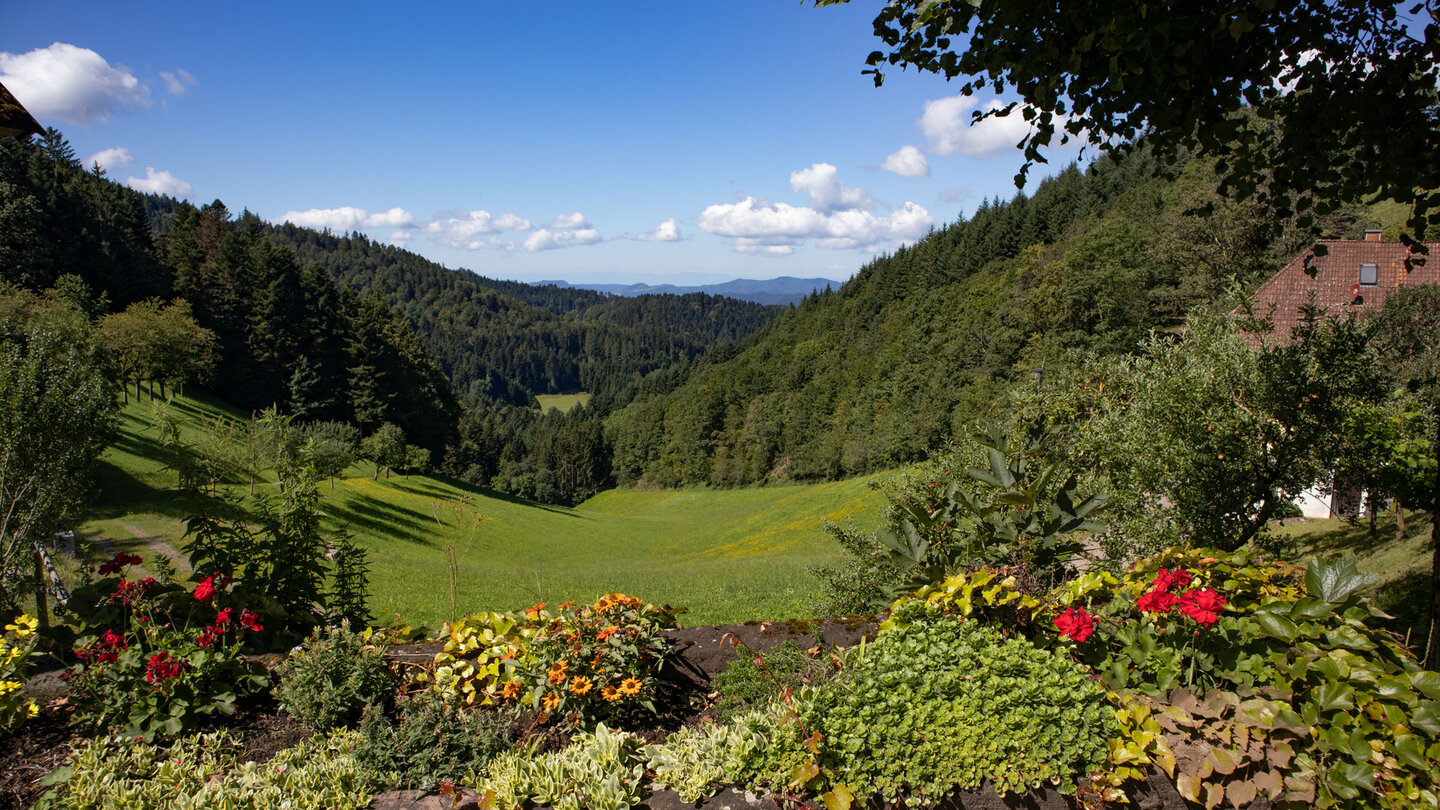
(727, 555)
(563, 403)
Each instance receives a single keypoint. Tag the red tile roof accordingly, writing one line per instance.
(1336, 273)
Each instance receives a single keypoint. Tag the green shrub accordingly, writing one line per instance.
(328, 682)
(745, 686)
(432, 742)
(111, 773)
(943, 704)
(599, 770)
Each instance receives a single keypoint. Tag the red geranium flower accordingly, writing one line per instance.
(162, 667)
(1167, 579)
(205, 589)
(250, 621)
(223, 617)
(1202, 605)
(1076, 624)
(118, 562)
(1157, 602)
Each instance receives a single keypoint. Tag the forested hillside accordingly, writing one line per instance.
(286, 336)
(478, 327)
(924, 341)
(330, 328)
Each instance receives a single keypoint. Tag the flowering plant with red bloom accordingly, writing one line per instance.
(1203, 605)
(1076, 624)
(152, 658)
(1157, 602)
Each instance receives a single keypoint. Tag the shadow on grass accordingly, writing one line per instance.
(377, 517)
(419, 486)
(1356, 537)
(117, 492)
(1408, 600)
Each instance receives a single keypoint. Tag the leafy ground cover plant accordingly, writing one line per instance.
(941, 704)
(112, 773)
(578, 664)
(432, 742)
(15, 648)
(697, 762)
(328, 682)
(752, 681)
(601, 769)
(156, 658)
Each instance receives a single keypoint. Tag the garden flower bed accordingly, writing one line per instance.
(1195, 677)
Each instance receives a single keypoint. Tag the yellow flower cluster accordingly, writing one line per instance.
(620, 600)
(14, 649)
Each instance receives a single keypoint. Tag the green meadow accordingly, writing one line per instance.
(726, 555)
(563, 403)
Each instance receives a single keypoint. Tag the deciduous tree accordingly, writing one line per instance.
(1307, 103)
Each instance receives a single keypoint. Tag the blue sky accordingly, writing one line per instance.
(657, 142)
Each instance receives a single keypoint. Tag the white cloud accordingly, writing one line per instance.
(110, 159)
(547, 240)
(666, 231)
(946, 123)
(567, 222)
(159, 183)
(460, 228)
(822, 183)
(394, 218)
(954, 195)
(347, 218)
(179, 81)
(907, 161)
(72, 84)
(756, 225)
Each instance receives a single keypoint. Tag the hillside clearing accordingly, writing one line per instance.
(727, 555)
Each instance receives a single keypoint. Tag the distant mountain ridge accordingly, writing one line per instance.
(783, 290)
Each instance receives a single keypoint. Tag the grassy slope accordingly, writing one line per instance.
(1403, 565)
(727, 555)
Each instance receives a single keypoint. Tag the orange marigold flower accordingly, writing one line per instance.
(558, 671)
(534, 611)
(630, 687)
(606, 633)
(551, 701)
(564, 605)
(511, 690)
(610, 693)
(580, 685)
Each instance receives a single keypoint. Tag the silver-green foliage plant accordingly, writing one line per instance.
(697, 762)
(328, 682)
(943, 705)
(203, 771)
(599, 770)
(431, 742)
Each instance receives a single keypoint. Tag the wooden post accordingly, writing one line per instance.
(42, 608)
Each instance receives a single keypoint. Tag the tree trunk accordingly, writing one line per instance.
(1432, 645)
(1399, 520)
